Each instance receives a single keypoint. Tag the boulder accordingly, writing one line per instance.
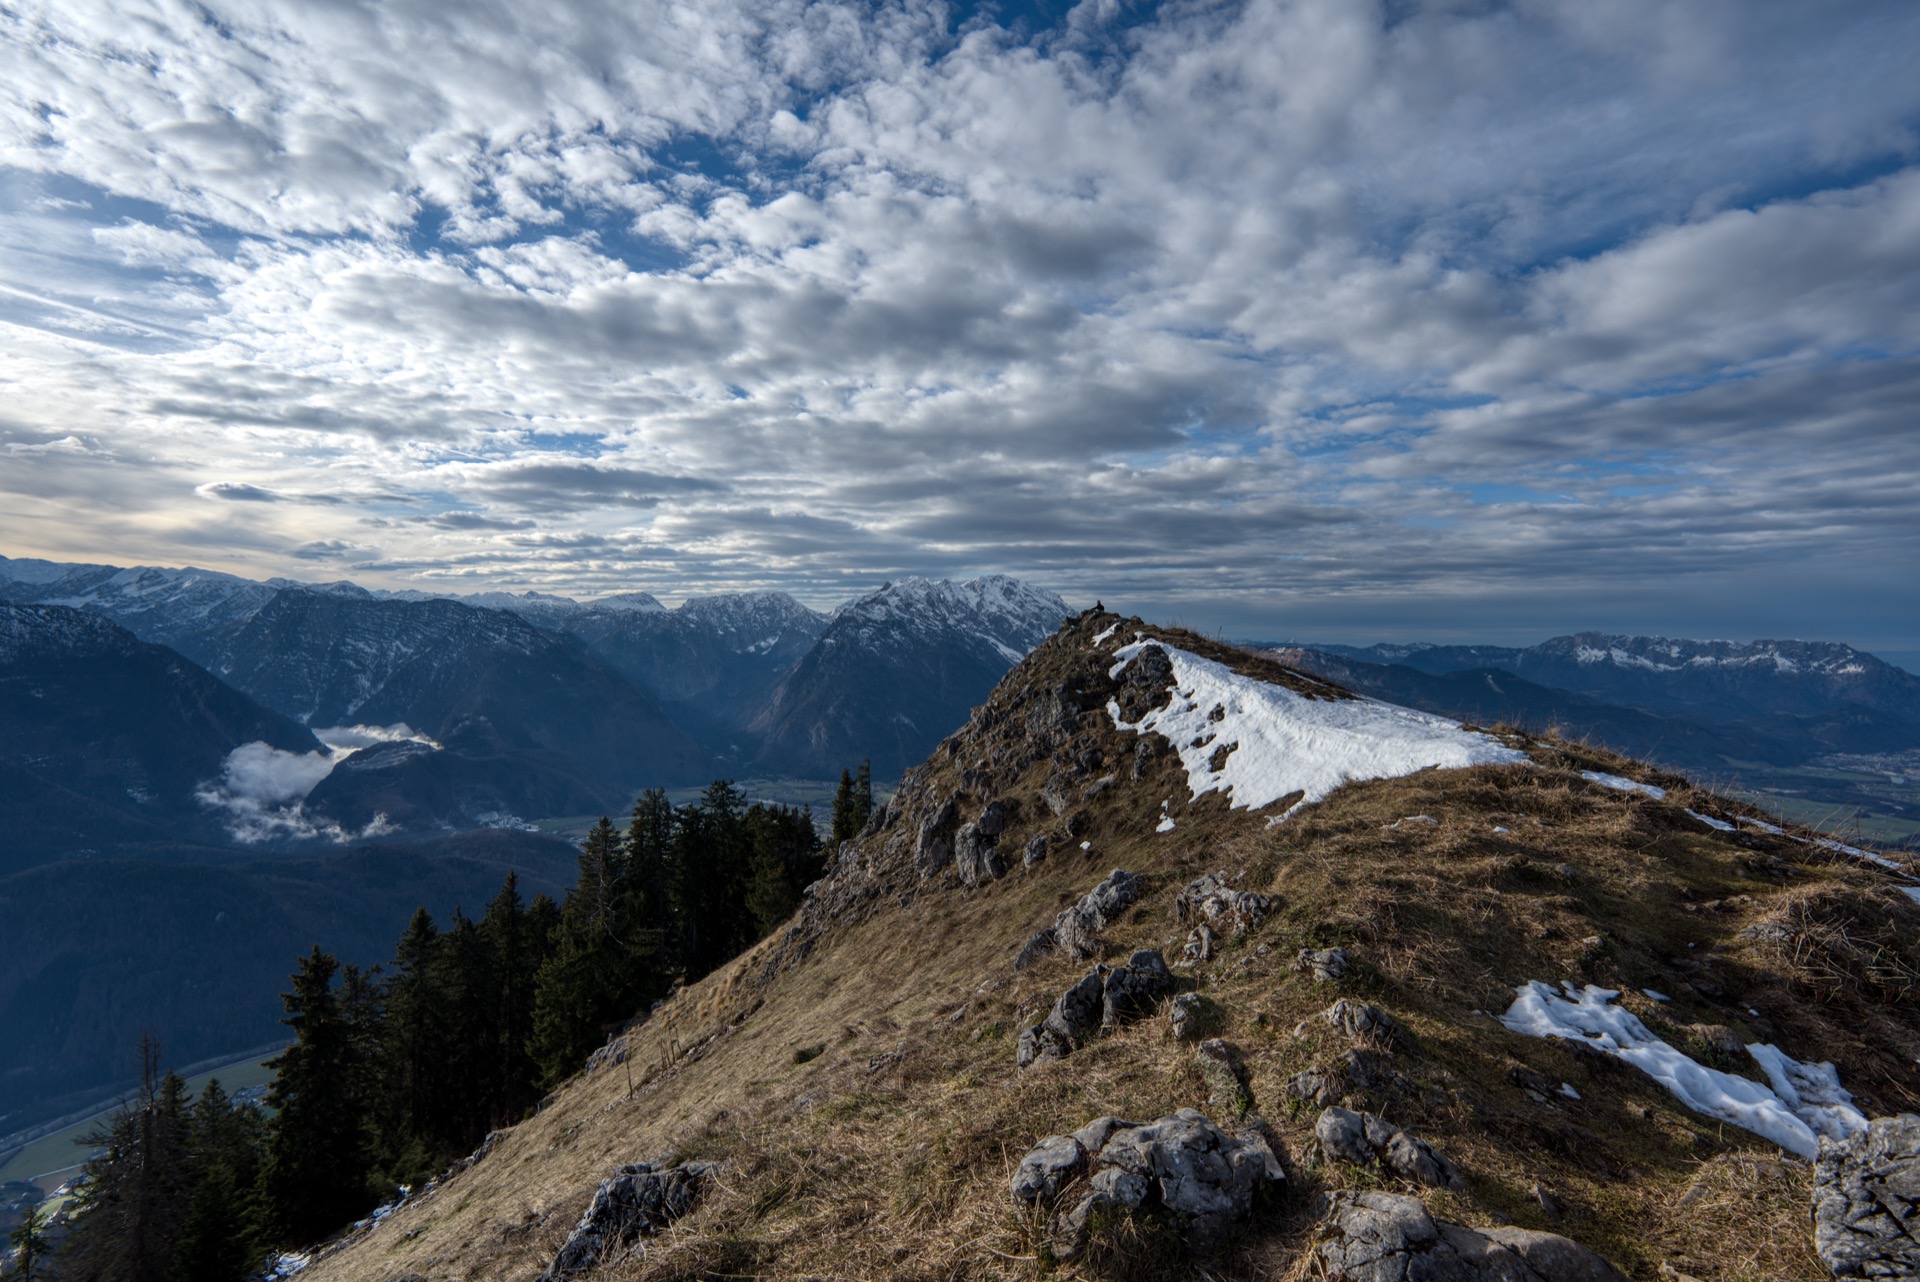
(1036, 849)
(636, 1202)
(1047, 1167)
(993, 819)
(1866, 1201)
(1212, 901)
(1366, 1023)
(1078, 928)
(1105, 997)
(1181, 1165)
(1185, 1014)
(1135, 989)
(933, 850)
(1365, 1140)
(1199, 946)
(1325, 964)
(975, 857)
(1040, 944)
(1384, 1237)
(1074, 1018)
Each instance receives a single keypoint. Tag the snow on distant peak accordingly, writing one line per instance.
(1276, 742)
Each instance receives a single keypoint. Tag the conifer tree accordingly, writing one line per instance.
(133, 1199)
(317, 1151)
(515, 957)
(221, 1235)
(412, 1035)
(29, 1243)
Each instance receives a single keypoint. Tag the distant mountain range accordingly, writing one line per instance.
(497, 708)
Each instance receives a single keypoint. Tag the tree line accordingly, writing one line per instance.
(394, 1072)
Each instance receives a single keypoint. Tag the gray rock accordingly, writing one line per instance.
(613, 1054)
(1199, 946)
(1383, 1237)
(636, 1202)
(1365, 1140)
(1366, 1023)
(1078, 928)
(1047, 1167)
(1183, 1015)
(1042, 943)
(1866, 1201)
(975, 857)
(1313, 1086)
(1324, 964)
(1135, 989)
(1057, 795)
(933, 850)
(1145, 684)
(1036, 849)
(1182, 1165)
(1225, 1074)
(1211, 900)
(1074, 1018)
(993, 819)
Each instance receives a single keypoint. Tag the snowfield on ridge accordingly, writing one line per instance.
(1277, 742)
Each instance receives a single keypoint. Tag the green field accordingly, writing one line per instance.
(55, 1158)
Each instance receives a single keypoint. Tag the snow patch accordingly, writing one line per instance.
(1287, 743)
(1621, 784)
(1102, 638)
(1804, 1104)
(1718, 825)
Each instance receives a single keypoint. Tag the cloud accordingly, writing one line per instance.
(262, 790)
(1251, 312)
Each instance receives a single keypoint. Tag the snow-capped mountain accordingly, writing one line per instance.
(713, 661)
(188, 610)
(896, 670)
(1721, 680)
(105, 739)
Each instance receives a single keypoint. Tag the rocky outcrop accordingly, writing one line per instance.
(1213, 900)
(1105, 997)
(1366, 1023)
(1866, 1201)
(1382, 1237)
(933, 849)
(636, 1202)
(1076, 931)
(1365, 1140)
(1183, 1166)
(1326, 965)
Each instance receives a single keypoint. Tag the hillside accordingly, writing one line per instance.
(856, 1078)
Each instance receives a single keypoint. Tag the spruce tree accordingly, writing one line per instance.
(134, 1197)
(317, 1151)
(29, 1243)
(514, 956)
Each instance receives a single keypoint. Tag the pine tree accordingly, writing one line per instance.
(514, 956)
(29, 1243)
(317, 1152)
(220, 1236)
(852, 803)
(785, 859)
(134, 1197)
(411, 1040)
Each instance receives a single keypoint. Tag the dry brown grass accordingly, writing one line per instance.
(886, 1153)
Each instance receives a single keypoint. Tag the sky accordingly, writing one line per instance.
(1454, 320)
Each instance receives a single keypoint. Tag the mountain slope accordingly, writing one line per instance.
(189, 610)
(895, 669)
(105, 739)
(857, 1078)
(531, 719)
(711, 662)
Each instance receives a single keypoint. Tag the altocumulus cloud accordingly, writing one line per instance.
(1284, 316)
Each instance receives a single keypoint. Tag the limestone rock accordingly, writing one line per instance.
(1324, 964)
(1199, 946)
(1184, 1015)
(1135, 989)
(1036, 850)
(1042, 942)
(1146, 683)
(1383, 1237)
(1079, 927)
(1366, 1023)
(1365, 1140)
(1047, 1167)
(1074, 1018)
(1866, 1201)
(1212, 901)
(975, 857)
(1182, 1165)
(636, 1202)
(933, 850)
(1225, 1074)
